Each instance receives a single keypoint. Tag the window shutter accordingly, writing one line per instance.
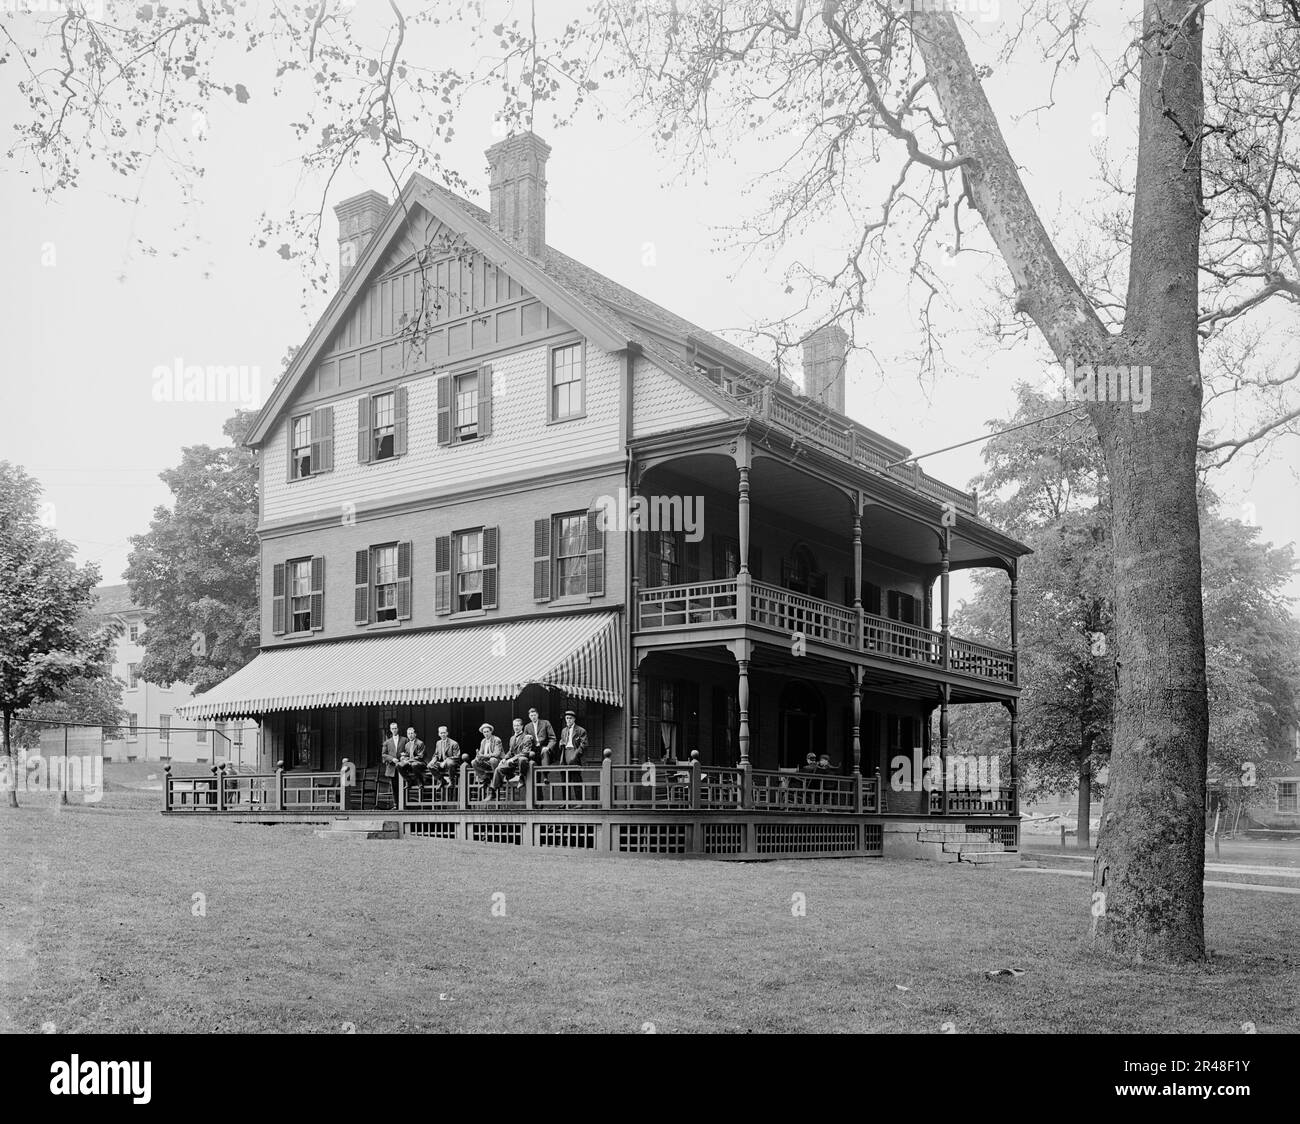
(848, 592)
(361, 611)
(403, 581)
(787, 571)
(288, 440)
(490, 554)
(317, 593)
(755, 563)
(542, 559)
(277, 599)
(720, 558)
(442, 575)
(322, 439)
(399, 426)
(444, 409)
(485, 400)
(364, 442)
(871, 599)
(595, 555)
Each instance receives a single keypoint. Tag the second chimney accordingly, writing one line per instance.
(518, 190)
(824, 357)
(359, 217)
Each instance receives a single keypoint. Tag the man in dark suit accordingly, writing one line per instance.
(573, 740)
(515, 759)
(390, 754)
(412, 765)
(446, 758)
(543, 735)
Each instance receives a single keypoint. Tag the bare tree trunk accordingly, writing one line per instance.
(1083, 837)
(13, 761)
(1147, 877)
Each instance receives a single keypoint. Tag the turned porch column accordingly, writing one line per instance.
(857, 578)
(742, 650)
(943, 599)
(742, 455)
(945, 693)
(1015, 627)
(634, 703)
(857, 718)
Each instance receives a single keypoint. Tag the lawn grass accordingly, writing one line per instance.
(303, 934)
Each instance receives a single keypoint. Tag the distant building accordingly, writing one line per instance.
(153, 731)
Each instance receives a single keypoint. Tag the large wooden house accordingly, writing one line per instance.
(493, 478)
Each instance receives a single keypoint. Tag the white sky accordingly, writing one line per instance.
(86, 332)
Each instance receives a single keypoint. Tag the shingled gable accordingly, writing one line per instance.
(590, 315)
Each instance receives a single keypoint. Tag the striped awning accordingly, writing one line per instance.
(580, 655)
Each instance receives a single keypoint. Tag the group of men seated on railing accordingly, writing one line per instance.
(496, 762)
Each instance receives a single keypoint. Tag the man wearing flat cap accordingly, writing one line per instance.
(573, 740)
(489, 756)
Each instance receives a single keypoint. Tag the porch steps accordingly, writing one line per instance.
(361, 829)
(946, 844)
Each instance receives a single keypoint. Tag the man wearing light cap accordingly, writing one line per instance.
(489, 756)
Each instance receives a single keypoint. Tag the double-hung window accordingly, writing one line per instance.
(298, 596)
(383, 583)
(566, 398)
(385, 560)
(301, 438)
(384, 426)
(569, 556)
(1288, 799)
(467, 406)
(465, 571)
(469, 571)
(133, 674)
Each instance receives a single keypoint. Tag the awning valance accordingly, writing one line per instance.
(581, 655)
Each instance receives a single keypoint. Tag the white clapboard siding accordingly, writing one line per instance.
(520, 440)
(661, 402)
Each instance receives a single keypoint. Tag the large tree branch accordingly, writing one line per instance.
(1045, 289)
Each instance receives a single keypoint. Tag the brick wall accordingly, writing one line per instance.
(513, 514)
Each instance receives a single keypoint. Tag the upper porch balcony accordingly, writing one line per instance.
(701, 605)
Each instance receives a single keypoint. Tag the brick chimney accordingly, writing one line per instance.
(824, 357)
(518, 190)
(359, 218)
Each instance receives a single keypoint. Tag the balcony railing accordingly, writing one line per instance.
(795, 416)
(794, 614)
(774, 607)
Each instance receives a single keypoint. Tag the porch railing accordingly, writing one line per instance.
(794, 614)
(994, 800)
(680, 786)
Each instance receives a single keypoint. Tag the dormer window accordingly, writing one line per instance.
(718, 376)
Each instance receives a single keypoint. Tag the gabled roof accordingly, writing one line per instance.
(573, 290)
